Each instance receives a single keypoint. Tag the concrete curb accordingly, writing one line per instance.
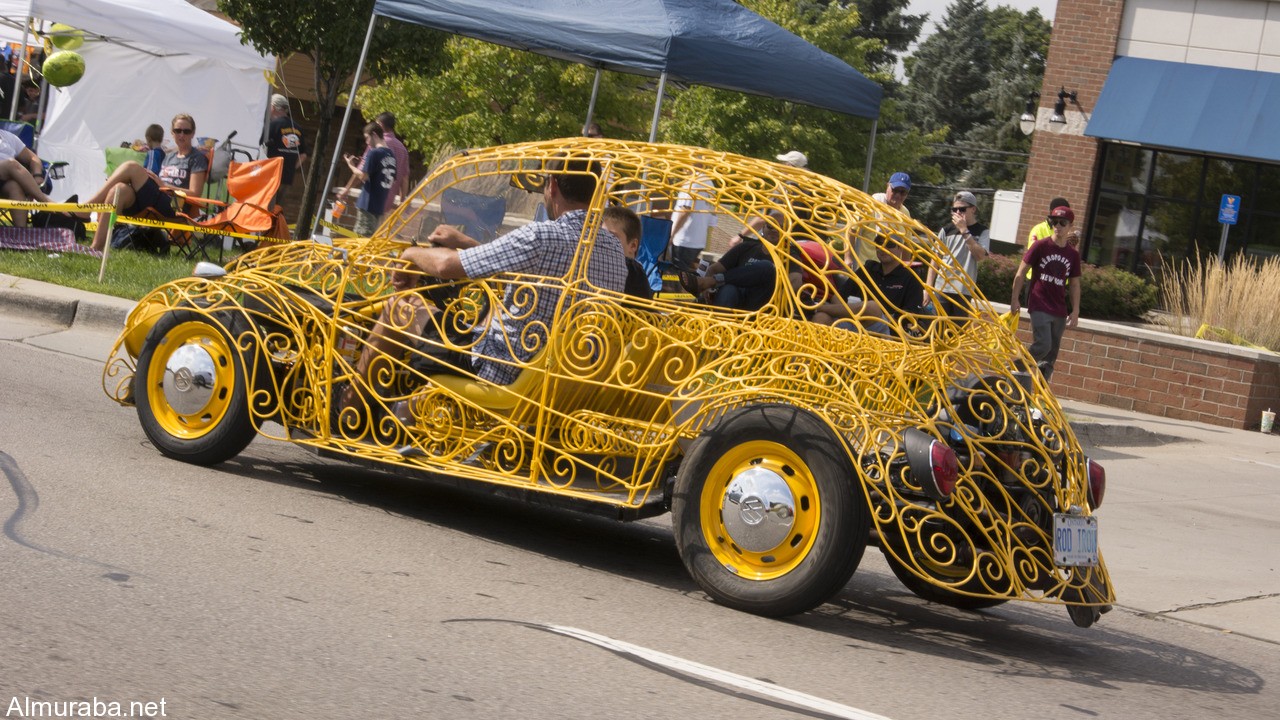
(57, 305)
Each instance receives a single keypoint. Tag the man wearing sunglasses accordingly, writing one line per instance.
(969, 241)
(1053, 262)
(896, 192)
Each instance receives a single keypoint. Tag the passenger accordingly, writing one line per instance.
(897, 288)
(184, 168)
(625, 225)
(737, 284)
(519, 328)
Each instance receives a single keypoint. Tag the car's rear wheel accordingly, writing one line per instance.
(765, 516)
(190, 390)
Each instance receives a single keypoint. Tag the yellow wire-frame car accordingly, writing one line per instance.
(781, 446)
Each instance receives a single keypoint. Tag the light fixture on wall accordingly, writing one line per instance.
(1027, 123)
(1059, 115)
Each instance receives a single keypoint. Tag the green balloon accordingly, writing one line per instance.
(63, 68)
(65, 37)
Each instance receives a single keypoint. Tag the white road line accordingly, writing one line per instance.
(723, 677)
(1255, 462)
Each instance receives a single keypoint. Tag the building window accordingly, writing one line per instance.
(1153, 207)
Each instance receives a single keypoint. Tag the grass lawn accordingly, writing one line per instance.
(130, 274)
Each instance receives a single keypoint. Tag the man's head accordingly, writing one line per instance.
(623, 222)
(896, 192)
(279, 105)
(795, 158)
(891, 252)
(593, 131)
(1058, 202)
(570, 185)
(387, 121)
(965, 204)
(373, 133)
(1061, 219)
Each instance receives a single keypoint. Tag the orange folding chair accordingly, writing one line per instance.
(252, 186)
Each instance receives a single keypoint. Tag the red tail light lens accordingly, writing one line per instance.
(1097, 483)
(945, 466)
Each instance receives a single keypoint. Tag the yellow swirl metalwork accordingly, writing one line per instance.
(616, 386)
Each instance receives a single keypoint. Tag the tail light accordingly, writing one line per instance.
(1097, 483)
(933, 464)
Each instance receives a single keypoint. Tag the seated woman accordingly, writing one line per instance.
(184, 168)
(21, 173)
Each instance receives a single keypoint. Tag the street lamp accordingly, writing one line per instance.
(1059, 115)
(1027, 123)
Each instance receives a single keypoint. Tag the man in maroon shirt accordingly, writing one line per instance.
(1053, 262)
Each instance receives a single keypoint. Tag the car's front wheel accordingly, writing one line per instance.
(190, 390)
(766, 518)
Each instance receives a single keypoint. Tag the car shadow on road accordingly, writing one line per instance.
(874, 611)
(643, 551)
(1019, 639)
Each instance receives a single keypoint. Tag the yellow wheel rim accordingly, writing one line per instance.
(760, 510)
(190, 380)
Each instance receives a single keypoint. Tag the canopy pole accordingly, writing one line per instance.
(871, 153)
(346, 120)
(591, 106)
(657, 108)
(17, 78)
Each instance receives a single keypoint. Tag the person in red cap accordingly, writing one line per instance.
(1053, 261)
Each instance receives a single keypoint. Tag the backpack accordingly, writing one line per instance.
(139, 237)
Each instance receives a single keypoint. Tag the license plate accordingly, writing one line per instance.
(1075, 540)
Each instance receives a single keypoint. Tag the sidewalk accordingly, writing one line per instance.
(1187, 523)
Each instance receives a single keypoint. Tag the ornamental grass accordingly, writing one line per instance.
(1235, 302)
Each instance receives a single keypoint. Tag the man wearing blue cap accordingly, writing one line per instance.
(896, 192)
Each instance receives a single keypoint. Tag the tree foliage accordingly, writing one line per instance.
(971, 80)
(331, 34)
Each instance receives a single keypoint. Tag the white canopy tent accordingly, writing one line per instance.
(145, 61)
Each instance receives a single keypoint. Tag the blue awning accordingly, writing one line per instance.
(1211, 110)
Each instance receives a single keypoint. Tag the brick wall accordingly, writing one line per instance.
(1166, 375)
(1062, 164)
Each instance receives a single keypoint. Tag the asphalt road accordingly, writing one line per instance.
(280, 585)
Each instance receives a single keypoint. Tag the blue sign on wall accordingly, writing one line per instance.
(1229, 210)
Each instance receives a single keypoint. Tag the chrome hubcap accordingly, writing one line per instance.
(189, 379)
(759, 510)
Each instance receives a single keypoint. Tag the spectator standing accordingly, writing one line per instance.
(592, 130)
(400, 187)
(284, 139)
(29, 106)
(968, 241)
(376, 172)
(154, 156)
(692, 221)
(1053, 261)
(896, 192)
(1044, 229)
(794, 158)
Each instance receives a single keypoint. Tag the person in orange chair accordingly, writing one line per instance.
(184, 168)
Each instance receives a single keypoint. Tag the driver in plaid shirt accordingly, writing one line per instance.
(517, 330)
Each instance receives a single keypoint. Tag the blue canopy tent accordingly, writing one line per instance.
(717, 43)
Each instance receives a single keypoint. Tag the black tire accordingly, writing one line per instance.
(214, 424)
(775, 565)
(926, 590)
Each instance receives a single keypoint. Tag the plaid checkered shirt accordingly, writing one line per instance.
(519, 329)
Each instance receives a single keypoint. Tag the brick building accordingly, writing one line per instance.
(1170, 109)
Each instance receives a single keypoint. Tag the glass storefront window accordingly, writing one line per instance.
(1177, 176)
(1264, 241)
(1170, 229)
(1125, 168)
(1114, 234)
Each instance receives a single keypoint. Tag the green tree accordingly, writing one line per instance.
(331, 33)
(889, 22)
(970, 81)
(492, 95)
